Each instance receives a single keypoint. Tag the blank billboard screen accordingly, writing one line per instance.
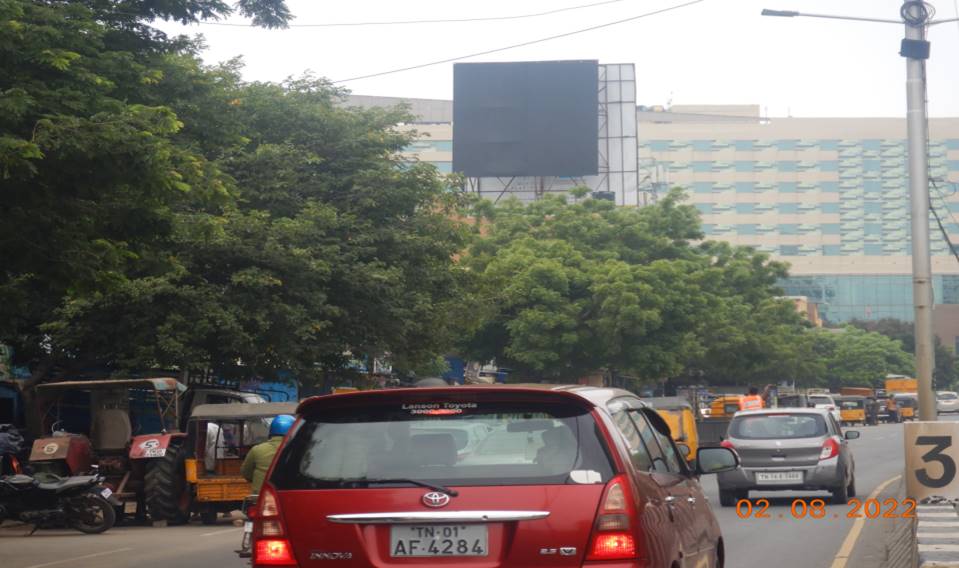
(526, 119)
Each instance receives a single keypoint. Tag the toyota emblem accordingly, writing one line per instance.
(436, 499)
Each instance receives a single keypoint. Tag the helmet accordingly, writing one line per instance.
(281, 424)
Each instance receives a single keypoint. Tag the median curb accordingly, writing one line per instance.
(937, 533)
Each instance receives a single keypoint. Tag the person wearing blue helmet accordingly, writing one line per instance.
(258, 461)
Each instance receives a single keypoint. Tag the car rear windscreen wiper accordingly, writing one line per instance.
(433, 486)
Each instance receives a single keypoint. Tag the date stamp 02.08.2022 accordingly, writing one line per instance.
(891, 508)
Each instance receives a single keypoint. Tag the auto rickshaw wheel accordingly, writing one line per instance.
(167, 493)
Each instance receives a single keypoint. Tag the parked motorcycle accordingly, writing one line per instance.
(12, 446)
(78, 502)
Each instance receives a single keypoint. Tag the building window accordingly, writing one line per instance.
(872, 207)
(786, 144)
(954, 165)
(708, 228)
(742, 166)
(829, 208)
(702, 167)
(873, 249)
(705, 208)
(444, 167)
(787, 165)
(829, 186)
(831, 250)
(788, 187)
(702, 187)
(745, 208)
(829, 166)
(789, 250)
(745, 187)
(748, 229)
(872, 186)
(659, 145)
(788, 208)
(873, 229)
(829, 145)
(829, 228)
(871, 165)
(702, 145)
(788, 229)
(952, 144)
(744, 145)
(872, 145)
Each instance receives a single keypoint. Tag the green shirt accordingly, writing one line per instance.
(258, 461)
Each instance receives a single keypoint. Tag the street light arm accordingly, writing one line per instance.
(794, 14)
(937, 22)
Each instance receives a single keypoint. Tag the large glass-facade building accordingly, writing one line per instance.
(827, 195)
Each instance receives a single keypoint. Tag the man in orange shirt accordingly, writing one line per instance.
(752, 400)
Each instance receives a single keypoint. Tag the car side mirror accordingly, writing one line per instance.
(715, 460)
(851, 434)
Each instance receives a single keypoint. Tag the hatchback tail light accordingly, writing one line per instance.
(727, 444)
(830, 449)
(271, 548)
(614, 533)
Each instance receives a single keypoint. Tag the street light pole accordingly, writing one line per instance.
(916, 16)
(917, 124)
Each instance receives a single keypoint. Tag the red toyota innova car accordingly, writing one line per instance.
(486, 477)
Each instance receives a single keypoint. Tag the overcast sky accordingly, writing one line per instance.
(714, 52)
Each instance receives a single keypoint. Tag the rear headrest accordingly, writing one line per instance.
(433, 449)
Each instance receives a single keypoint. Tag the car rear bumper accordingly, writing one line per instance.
(825, 475)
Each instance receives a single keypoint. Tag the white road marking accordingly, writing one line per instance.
(938, 548)
(951, 515)
(224, 531)
(950, 535)
(74, 559)
(845, 551)
(928, 525)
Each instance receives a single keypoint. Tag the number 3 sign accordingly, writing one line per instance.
(932, 455)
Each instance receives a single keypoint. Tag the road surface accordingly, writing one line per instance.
(781, 540)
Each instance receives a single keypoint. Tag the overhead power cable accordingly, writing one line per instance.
(942, 229)
(524, 44)
(432, 21)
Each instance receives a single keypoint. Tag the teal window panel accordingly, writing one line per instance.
(701, 167)
(787, 165)
(871, 165)
(743, 166)
(788, 229)
(705, 207)
(708, 229)
(872, 249)
(829, 228)
(872, 186)
(789, 250)
(745, 208)
(659, 145)
(829, 145)
(829, 166)
(873, 229)
(745, 187)
(831, 250)
(953, 165)
(952, 228)
(788, 187)
(744, 145)
(786, 144)
(746, 229)
(952, 144)
(872, 145)
(788, 208)
(829, 186)
(872, 207)
(829, 207)
(702, 145)
(444, 167)
(702, 187)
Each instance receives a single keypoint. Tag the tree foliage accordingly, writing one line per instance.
(160, 213)
(945, 373)
(855, 357)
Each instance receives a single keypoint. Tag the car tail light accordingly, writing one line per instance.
(271, 549)
(727, 444)
(614, 536)
(830, 449)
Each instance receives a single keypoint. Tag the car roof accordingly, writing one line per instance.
(584, 394)
(242, 410)
(157, 384)
(785, 410)
(667, 402)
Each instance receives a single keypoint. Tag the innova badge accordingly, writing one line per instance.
(435, 499)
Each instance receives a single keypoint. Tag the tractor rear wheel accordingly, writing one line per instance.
(166, 491)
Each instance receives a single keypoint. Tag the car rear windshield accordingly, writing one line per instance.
(777, 426)
(469, 443)
(948, 396)
(820, 400)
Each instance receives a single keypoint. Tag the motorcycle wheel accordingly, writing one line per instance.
(91, 514)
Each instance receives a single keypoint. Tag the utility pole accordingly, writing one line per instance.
(915, 49)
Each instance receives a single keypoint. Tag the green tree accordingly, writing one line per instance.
(945, 373)
(854, 357)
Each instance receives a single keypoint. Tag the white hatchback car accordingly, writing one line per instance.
(826, 402)
(947, 401)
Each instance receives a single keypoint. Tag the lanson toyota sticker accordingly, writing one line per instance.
(439, 408)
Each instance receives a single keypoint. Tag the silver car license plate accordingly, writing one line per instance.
(439, 540)
(774, 477)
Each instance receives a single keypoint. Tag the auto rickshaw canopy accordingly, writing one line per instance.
(215, 412)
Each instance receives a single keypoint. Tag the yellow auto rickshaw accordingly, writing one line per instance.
(222, 435)
(852, 409)
(724, 406)
(907, 404)
(679, 414)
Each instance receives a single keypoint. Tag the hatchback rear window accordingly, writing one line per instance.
(948, 396)
(470, 443)
(777, 426)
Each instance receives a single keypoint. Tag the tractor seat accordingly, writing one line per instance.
(18, 481)
(67, 483)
